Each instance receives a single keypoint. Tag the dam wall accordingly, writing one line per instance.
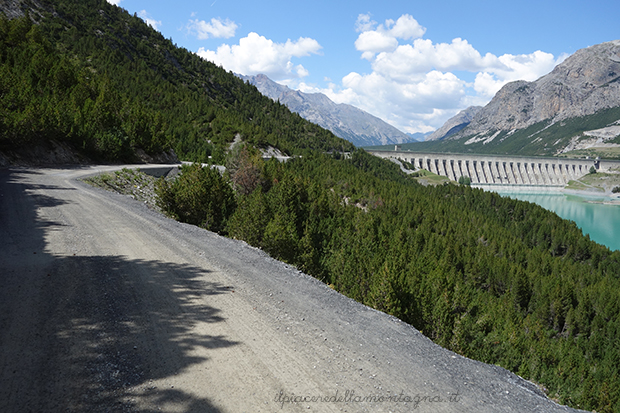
(502, 170)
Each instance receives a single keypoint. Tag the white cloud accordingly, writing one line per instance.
(412, 106)
(364, 23)
(216, 28)
(413, 84)
(155, 24)
(422, 56)
(114, 2)
(256, 54)
(406, 28)
(521, 67)
(374, 42)
(384, 38)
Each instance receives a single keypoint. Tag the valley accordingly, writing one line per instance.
(332, 272)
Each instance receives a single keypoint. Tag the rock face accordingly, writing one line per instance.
(455, 124)
(17, 8)
(584, 84)
(344, 121)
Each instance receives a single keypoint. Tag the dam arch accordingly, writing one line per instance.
(486, 170)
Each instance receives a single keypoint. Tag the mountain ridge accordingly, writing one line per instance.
(343, 120)
(455, 123)
(110, 86)
(584, 85)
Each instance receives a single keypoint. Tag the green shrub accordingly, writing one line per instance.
(251, 218)
(199, 196)
(113, 144)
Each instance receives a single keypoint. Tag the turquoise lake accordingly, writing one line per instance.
(600, 221)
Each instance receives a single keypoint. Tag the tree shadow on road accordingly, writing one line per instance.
(128, 323)
(95, 333)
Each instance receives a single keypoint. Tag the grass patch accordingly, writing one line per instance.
(425, 177)
(598, 182)
(576, 186)
(603, 153)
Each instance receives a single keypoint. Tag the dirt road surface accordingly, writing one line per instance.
(107, 306)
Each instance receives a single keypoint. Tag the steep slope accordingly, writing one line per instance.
(91, 75)
(475, 272)
(345, 121)
(455, 124)
(584, 84)
(552, 114)
(152, 315)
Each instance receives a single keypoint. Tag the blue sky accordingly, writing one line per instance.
(413, 64)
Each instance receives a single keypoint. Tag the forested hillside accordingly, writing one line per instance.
(92, 75)
(495, 279)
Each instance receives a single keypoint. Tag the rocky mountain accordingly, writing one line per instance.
(551, 114)
(344, 121)
(455, 124)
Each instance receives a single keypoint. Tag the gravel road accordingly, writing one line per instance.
(107, 306)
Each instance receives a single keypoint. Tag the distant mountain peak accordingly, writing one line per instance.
(549, 116)
(585, 83)
(455, 124)
(344, 121)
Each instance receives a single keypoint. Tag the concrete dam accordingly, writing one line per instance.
(489, 170)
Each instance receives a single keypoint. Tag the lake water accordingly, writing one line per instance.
(600, 221)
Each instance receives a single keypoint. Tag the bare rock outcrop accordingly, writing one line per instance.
(584, 84)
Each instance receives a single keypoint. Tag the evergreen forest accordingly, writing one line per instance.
(91, 75)
(495, 279)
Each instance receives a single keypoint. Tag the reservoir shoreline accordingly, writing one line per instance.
(597, 214)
